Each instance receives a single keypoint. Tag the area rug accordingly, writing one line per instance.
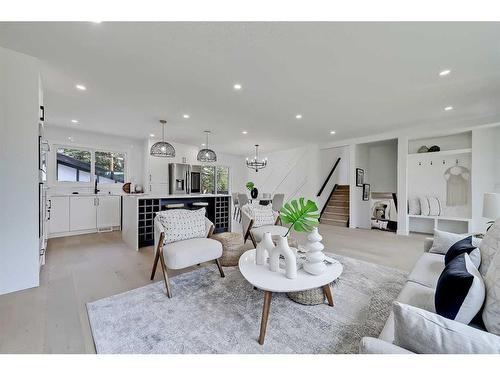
(210, 314)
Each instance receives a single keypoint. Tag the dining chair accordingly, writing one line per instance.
(242, 200)
(236, 205)
(278, 200)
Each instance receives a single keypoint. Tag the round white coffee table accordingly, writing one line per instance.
(263, 278)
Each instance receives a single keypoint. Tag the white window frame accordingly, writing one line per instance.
(125, 165)
(228, 176)
(92, 151)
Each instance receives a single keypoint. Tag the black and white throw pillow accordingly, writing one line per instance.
(460, 290)
(464, 246)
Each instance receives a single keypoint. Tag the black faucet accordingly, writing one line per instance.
(95, 186)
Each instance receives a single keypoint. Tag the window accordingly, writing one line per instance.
(73, 165)
(80, 165)
(222, 174)
(214, 180)
(110, 167)
(207, 180)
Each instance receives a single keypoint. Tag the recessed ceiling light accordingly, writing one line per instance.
(185, 116)
(81, 87)
(151, 135)
(237, 86)
(244, 132)
(203, 144)
(298, 117)
(444, 72)
(332, 132)
(96, 21)
(449, 108)
(74, 121)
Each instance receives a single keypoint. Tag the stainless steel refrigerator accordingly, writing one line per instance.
(179, 176)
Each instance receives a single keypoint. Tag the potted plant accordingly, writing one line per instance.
(253, 190)
(302, 217)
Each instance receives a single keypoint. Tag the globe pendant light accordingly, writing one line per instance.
(162, 149)
(255, 163)
(206, 155)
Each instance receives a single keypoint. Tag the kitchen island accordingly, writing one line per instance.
(139, 211)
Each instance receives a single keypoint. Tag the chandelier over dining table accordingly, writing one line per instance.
(255, 163)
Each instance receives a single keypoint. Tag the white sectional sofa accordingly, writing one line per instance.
(419, 292)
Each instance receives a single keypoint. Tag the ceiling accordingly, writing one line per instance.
(354, 78)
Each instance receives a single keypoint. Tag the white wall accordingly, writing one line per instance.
(80, 138)
(486, 171)
(327, 158)
(19, 113)
(379, 160)
(360, 217)
(293, 172)
(383, 166)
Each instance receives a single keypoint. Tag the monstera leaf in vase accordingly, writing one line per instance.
(301, 215)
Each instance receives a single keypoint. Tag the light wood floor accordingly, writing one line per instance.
(53, 318)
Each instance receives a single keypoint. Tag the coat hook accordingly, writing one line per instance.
(444, 162)
(456, 162)
(431, 162)
(419, 163)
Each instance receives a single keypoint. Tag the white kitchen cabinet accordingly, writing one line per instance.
(108, 212)
(158, 189)
(82, 213)
(158, 170)
(59, 214)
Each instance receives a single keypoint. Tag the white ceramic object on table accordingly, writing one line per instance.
(264, 279)
(263, 249)
(315, 257)
(282, 248)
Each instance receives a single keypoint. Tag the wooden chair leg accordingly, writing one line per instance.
(165, 276)
(253, 240)
(220, 268)
(157, 255)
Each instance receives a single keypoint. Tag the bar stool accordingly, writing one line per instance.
(196, 205)
(171, 206)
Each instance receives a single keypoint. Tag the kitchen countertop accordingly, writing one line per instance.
(85, 195)
(173, 196)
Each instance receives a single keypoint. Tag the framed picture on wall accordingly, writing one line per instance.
(360, 177)
(366, 192)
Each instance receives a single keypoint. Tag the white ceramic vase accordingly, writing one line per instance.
(314, 257)
(263, 249)
(282, 248)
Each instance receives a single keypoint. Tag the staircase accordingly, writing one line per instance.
(336, 211)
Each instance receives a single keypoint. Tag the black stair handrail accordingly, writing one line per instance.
(328, 200)
(328, 178)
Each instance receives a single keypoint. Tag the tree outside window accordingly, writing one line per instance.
(109, 167)
(222, 180)
(207, 180)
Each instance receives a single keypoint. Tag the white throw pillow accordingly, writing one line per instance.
(434, 206)
(491, 310)
(489, 247)
(261, 215)
(179, 224)
(424, 332)
(424, 206)
(444, 240)
(414, 206)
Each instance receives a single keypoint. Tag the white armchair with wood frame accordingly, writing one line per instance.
(184, 253)
(256, 233)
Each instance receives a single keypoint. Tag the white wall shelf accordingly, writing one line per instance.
(440, 153)
(427, 224)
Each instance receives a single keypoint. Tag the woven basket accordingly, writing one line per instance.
(232, 247)
(309, 297)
